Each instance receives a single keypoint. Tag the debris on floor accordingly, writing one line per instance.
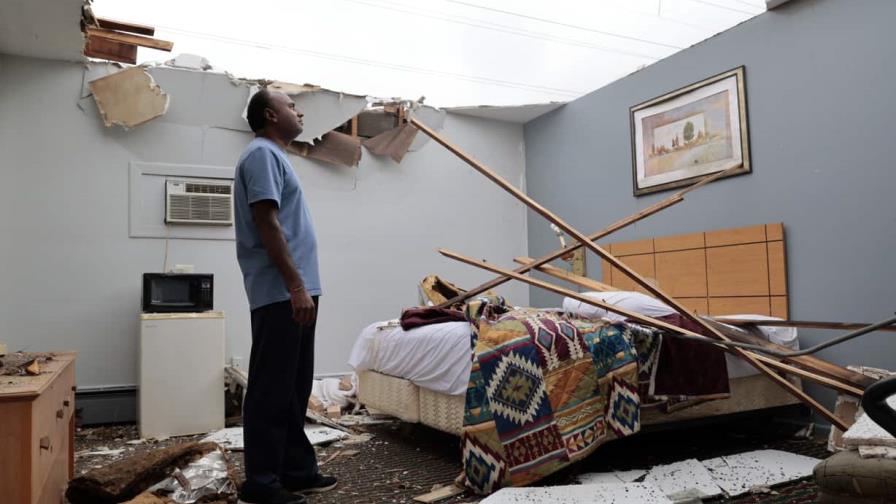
(208, 477)
(127, 478)
(231, 438)
(865, 432)
(738, 474)
(623, 493)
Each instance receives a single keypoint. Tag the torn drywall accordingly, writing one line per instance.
(129, 98)
(430, 116)
(393, 143)
(335, 147)
(203, 98)
(325, 110)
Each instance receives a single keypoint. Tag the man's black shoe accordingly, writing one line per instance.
(280, 497)
(319, 483)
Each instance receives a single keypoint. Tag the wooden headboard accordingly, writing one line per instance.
(724, 272)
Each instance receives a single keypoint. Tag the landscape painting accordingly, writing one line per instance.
(689, 133)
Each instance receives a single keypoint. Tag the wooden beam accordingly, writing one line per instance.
(810, 362)
(760, 362)
(612, 228)
(127, 38)
(566, 275)
(656, 291)
(809, 324)
(112, 24)
(110, 50)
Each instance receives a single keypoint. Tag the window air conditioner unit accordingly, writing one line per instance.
(201, 202)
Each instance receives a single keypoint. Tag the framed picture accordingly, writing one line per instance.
(691, 132)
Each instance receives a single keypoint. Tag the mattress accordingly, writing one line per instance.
(435, 357)
(444, 412)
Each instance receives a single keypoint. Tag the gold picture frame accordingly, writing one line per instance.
(691, 132)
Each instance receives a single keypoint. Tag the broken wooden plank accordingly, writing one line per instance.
(648, 286)
(612, 228)
(440, 494)
(562, 274)
(111, 50)
(114, 24)
(760, 362)
(393, 143)
(808, 324)
(128, 38)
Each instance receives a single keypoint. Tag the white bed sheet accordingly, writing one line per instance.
(436, 357)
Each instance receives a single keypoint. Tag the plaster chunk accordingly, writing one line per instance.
(128, 98)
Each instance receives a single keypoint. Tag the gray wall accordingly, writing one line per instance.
(820, 78)
(71, 273)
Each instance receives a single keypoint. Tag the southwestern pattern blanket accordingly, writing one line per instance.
(545, 390)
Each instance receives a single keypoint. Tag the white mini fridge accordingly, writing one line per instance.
(181, 373)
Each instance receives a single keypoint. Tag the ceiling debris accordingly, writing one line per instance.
(113, 40)
(189, 61)
(292, 89)
(393, 143)
(335, 147)
(128, 98)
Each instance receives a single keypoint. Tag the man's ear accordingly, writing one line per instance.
(270, 115)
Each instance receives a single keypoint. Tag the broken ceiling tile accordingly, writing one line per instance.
(611, 477)
(430, 116)
(335, 147)
(128, 98)
(623, 493)
(393, 143)
(739, 473)
(865, 432)
(231, 438)
(684, 481)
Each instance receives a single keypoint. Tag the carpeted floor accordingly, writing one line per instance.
(403, 460)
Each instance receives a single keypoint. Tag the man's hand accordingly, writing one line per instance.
(302, 307)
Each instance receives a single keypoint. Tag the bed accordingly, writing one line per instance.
(421, 375)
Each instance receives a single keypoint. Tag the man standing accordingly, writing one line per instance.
(277, 252)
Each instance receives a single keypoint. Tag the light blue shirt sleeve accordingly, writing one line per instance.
(263, 176)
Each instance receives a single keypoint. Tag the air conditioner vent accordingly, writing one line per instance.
(198, 202)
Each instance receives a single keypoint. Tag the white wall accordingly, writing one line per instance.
(71, 275)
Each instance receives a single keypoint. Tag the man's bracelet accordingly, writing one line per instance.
(296, 289)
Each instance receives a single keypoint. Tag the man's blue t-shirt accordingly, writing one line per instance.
(264, 173)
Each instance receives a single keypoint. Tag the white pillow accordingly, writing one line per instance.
(631, 301)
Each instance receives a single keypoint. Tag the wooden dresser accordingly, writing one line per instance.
(37, 427)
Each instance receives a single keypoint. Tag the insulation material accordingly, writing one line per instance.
(625, 493)
(129, 98)
(865, 432)
(684, 481)
(738, 474)
(334, 147)
(393, 143)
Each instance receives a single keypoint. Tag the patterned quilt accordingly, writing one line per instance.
(546, 390)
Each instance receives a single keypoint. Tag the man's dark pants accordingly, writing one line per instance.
(281, 368)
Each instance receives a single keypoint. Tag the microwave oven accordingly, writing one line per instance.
(178, 292)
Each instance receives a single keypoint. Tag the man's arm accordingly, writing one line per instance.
(264, 213)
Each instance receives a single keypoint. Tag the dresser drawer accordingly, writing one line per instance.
(51, 413)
